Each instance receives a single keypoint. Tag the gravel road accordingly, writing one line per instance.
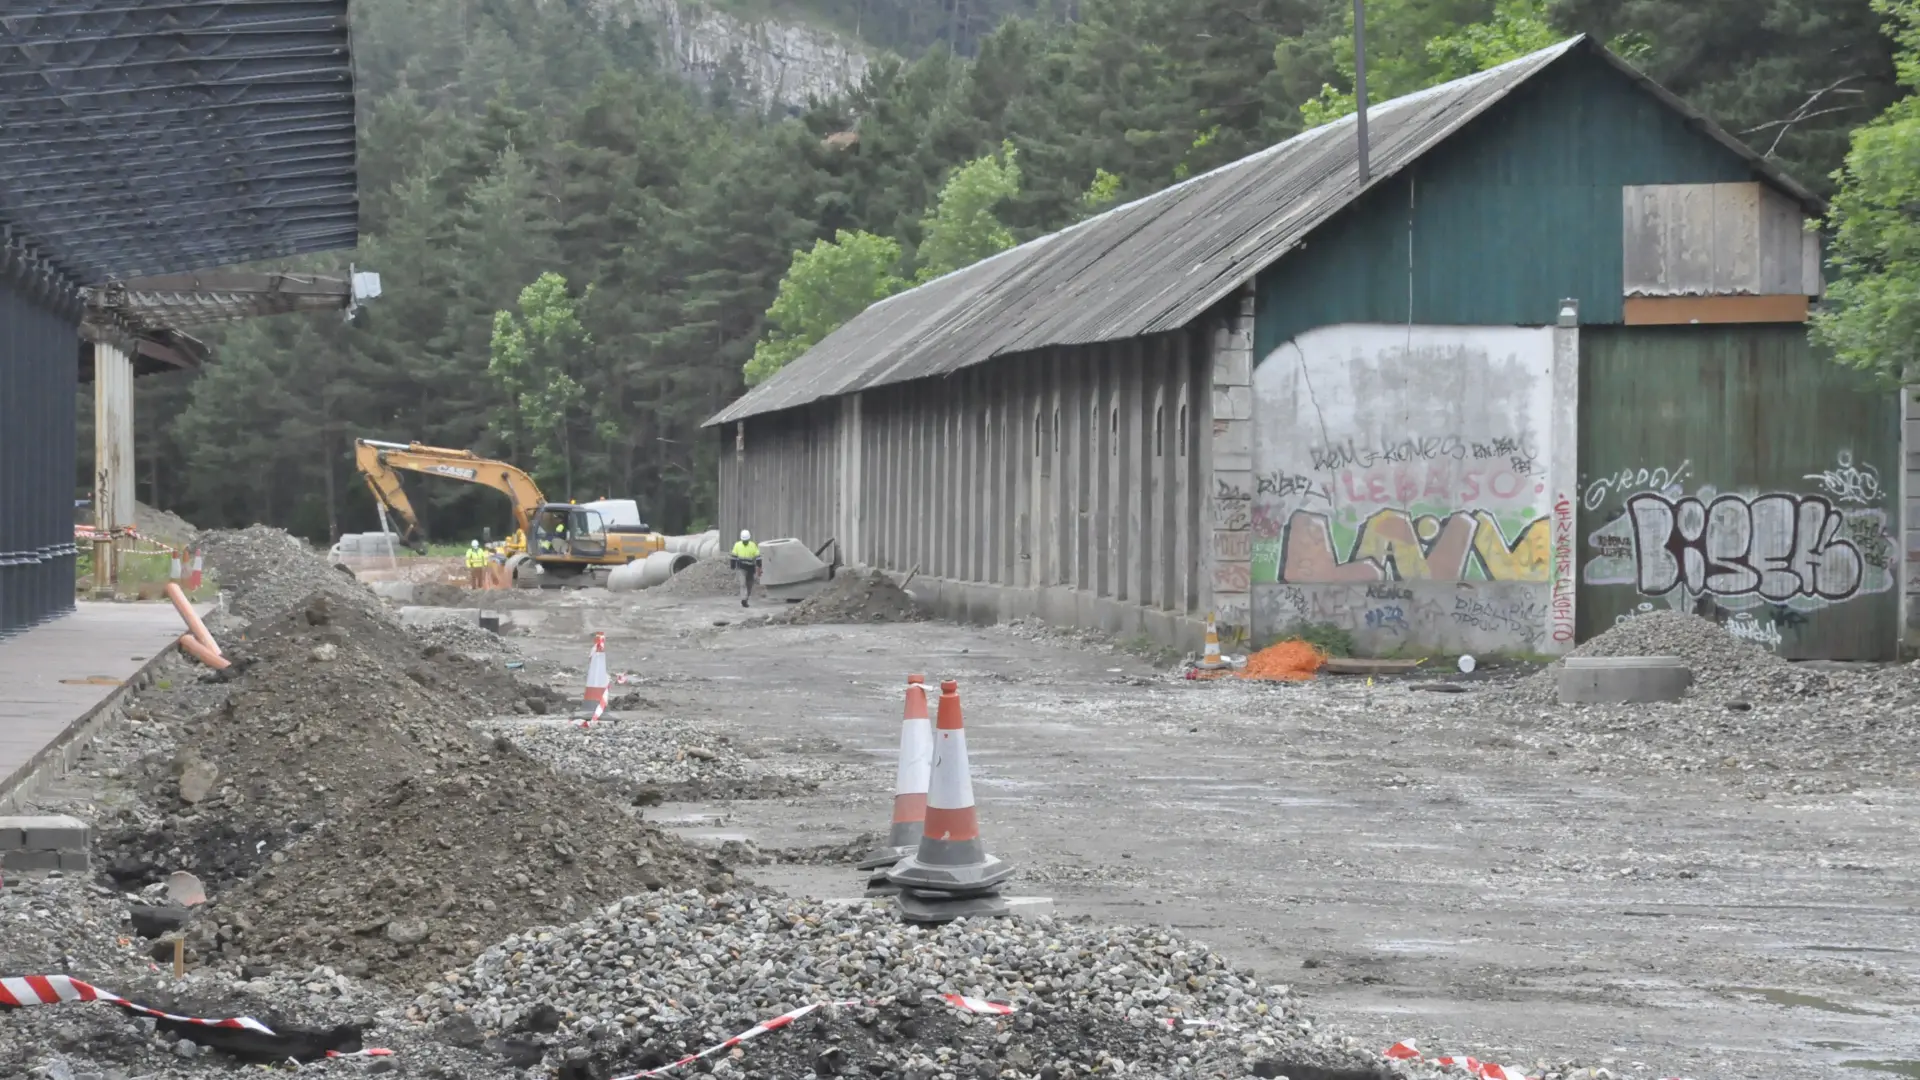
(1689, 890)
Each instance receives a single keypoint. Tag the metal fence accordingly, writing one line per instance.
(39, 357)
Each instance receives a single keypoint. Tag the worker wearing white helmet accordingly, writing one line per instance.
(746, 559)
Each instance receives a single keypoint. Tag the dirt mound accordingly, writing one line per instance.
(266, 573)
(1722, 664)
(708, 577)
(856, 596)
(414, 838)
(168, 528)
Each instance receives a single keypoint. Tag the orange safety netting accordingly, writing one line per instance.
(1288, 661)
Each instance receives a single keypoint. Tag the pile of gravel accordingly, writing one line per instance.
(708, 577)
(458, 633)
(649, 758)
(1722, 664)
(266, 572)
(857, 596)
(646, 980)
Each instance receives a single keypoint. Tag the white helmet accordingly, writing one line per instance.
(476, 543)
(745, 535)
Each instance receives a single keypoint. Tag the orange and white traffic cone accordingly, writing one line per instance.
(950, 875)
(909, 790)
(195, 572)
(1212, 661)
(596, 695)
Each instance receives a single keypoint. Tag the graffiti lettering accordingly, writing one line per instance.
(1232, 577)
(1286, 486)
(1775, 546)
(1602, 488)
(1436, 482)
(1747, 628)
(1388, 592)
(1518, 618)
(1350, 455)
(1563, 578)
(1391, 619)
(1392, 545)
(1232, 546)
(1846, 483)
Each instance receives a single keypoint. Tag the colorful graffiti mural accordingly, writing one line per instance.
(1783, 550)
(1402, 545)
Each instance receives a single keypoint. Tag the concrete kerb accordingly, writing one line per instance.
(57, 758)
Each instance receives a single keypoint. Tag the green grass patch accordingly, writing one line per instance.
(1328, 638)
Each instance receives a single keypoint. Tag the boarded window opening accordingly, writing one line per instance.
(1113, 430)
(1036, 434)
(1159, 423)
(1056, 431)
(1183, 429)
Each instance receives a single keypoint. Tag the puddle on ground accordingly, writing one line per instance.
(1834, 1044)
(1794, 999)
(1852, 949)
(1417, 945)
(1895, 1067)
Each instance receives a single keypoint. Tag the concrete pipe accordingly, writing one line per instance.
(524, 572)
(1618, 680)
(704, 545)
(653, 570)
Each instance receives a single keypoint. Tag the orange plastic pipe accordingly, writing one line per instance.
(203, 654)
(192, 617)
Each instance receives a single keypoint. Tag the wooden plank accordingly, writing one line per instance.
(1353, 665)
(1685, 310)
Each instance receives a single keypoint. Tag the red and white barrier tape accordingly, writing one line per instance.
(1484, 1070)
(976, 1005)
(59, 989)
(24, 990)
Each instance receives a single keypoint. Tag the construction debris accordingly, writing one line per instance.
(857, 596)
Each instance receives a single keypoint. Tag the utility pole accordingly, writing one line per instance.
(1360, 81)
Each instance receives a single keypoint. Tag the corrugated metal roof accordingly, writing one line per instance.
(1158, 263)
(158, 136)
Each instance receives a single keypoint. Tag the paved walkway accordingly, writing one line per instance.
(57, 674)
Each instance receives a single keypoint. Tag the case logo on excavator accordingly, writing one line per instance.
(454, 470)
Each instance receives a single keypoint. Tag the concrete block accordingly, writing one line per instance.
(75, 861)
(1589, 680)
(44, 833)
(31, 860)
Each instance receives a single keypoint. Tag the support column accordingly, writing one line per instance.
(113, 474)
(1230, 556)
(1563, 472)
(1910, 520)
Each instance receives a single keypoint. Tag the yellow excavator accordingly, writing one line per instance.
(555, 544)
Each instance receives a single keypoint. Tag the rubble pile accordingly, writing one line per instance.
(457, 633)
(359, 819)
(707, 577)
(650, 758)
(644, 981)
(856, 596)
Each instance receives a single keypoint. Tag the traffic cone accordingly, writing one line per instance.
(909, 790)
(1212, 661)
(194, 574)
(596, 695)
(950, 875)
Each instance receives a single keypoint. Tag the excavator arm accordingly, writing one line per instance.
(381, 463)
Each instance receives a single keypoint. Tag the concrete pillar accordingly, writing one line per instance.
(1230, 485)
(1910, 520)
(1563, 477)
(113, 474)
(852, 459)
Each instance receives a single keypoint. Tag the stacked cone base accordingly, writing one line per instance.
(974, 876)
(922, 906)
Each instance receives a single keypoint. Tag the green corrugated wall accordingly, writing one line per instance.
(1793, 466)
(1513, 214)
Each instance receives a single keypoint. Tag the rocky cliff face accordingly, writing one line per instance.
(783, 63)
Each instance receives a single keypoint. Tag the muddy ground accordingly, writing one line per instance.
(1420, 869)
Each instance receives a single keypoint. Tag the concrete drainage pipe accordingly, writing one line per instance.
(1595, 680)
(704, 545)
(645, 573)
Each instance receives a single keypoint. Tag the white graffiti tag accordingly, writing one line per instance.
(1848, 483)
(1775, 546)
(1659, 479)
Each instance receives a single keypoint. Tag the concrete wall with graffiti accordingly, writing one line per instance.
(1402, 487)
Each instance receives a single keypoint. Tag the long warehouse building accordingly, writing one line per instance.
(1479, 399)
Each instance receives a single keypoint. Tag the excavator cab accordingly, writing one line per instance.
(569, 532)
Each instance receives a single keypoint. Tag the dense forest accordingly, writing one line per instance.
(579, 252)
